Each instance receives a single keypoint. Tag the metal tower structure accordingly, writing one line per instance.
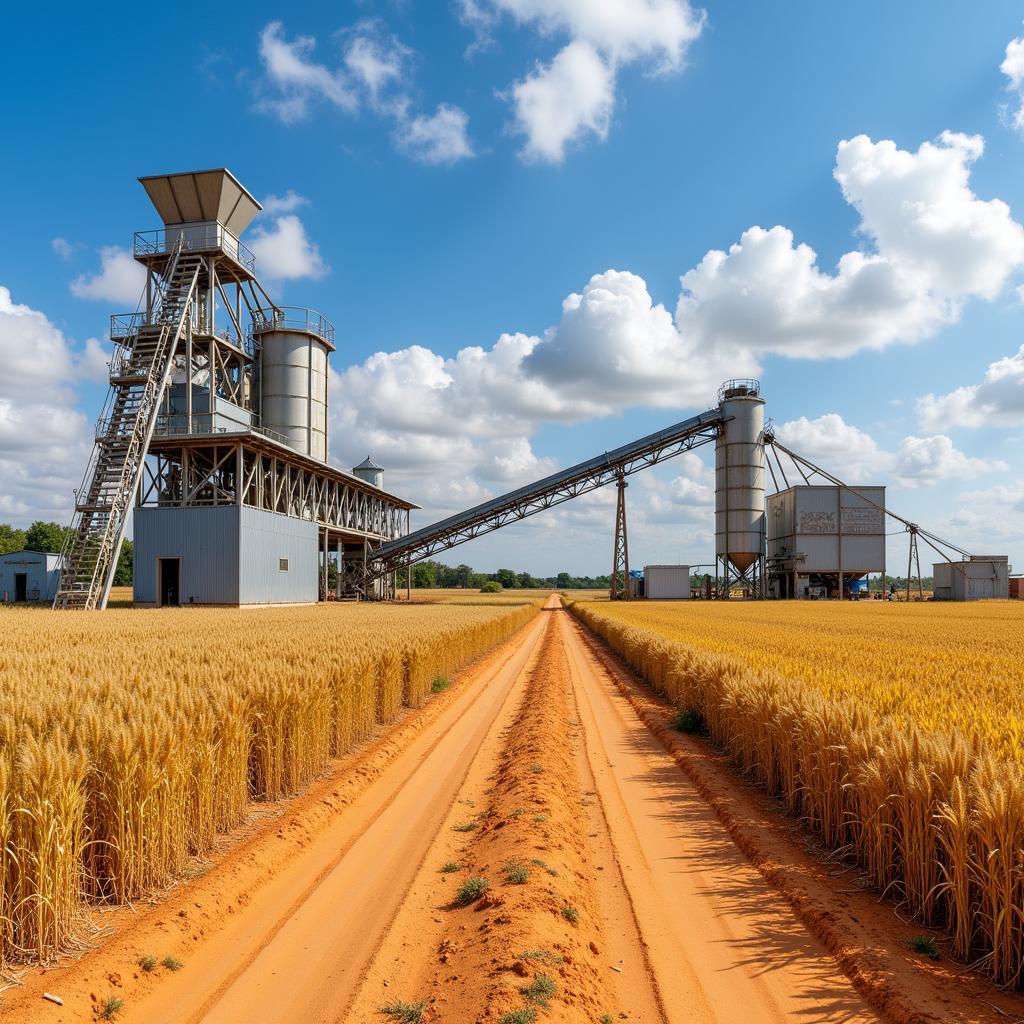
(195, 266)
(620, 552)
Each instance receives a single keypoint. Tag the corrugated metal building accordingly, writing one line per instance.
(667, 582)
(823, 538)
(230, 555)
(980, 577)
(28, 576)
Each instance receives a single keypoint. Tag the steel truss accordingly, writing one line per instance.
(235, 473)
(552, 490)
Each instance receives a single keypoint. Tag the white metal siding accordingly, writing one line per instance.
(265, 539)
(206, 541)
(667, 582)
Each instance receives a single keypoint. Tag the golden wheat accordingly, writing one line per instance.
(129, 740)
(893, 731)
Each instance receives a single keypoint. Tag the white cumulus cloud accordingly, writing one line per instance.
(1013, 67)
(932, 244)
(852, 455)
(288, 203)
(373, 75)
(998, 400)
(284, 252)
(120, 279)
(572, 96)
(43, 436)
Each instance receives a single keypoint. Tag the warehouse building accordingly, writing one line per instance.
(824, 540)
(980, 577)
(28, 576)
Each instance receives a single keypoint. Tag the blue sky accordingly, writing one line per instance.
(464, 168)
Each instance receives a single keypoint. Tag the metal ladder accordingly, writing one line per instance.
(139, 374)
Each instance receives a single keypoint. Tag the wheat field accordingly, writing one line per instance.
(893, 731)
(130, 740)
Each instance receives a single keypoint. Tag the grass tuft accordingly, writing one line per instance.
(466, 826)
(540, 990)
(690, 721)
(147, 963)
(542, 955)
(527, 1015)
(471, 890)
(440, 683)
(925, 944)
(571, 914)
(536, 768)
(449, 866)
(516, 873)
(405, 1013)
(172, 964)
(111, 1008)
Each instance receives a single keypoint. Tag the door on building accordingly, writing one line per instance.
(21, 586)
(168, 581)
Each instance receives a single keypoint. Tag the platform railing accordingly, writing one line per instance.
(292, 318)
(207, 236)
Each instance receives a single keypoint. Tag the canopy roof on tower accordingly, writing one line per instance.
(195, 196)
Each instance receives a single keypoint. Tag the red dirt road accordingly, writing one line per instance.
(610, 880)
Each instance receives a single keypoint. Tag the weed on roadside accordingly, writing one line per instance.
(527, 1015)
(925, 944)
(449, 866)
(111, 1008)
(544, 956)
(440, 683)
(466, 826)
(536, 768)
(540, 990)
(516, 873)
(470, 891)
(606, 1018)
(147, 963)
(405, 1013)
(172, 964)
(571, 914)
(689, 720)
(537, 862)
(540, 817)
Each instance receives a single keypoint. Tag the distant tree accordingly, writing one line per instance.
(463, 576)
(491, 587)
(507, 578)
(11, 539)
(563, 580)
(424, 575)
(124, 573)
(42, 536)
(526, 582)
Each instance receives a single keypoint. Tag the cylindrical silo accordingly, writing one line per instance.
(739, 475)
(369, 471)
(294, 346)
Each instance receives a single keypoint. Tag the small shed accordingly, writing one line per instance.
(28, 576)
(1017, 588)
(667, 582)
(977, 578)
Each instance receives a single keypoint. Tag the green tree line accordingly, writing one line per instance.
(430, 575)
(49, 536)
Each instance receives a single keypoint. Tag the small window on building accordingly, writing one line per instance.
(282, 564)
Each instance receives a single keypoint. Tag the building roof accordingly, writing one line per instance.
(43, 554)
(195, 196)
(368, 463)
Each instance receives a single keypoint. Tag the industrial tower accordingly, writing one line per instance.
(217, 400)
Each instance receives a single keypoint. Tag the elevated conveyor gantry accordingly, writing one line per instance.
(552, 490)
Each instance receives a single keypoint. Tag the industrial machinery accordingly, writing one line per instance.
(215, 427)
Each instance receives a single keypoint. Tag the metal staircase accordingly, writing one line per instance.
(139, 374)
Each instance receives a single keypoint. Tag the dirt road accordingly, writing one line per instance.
(611, 889)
